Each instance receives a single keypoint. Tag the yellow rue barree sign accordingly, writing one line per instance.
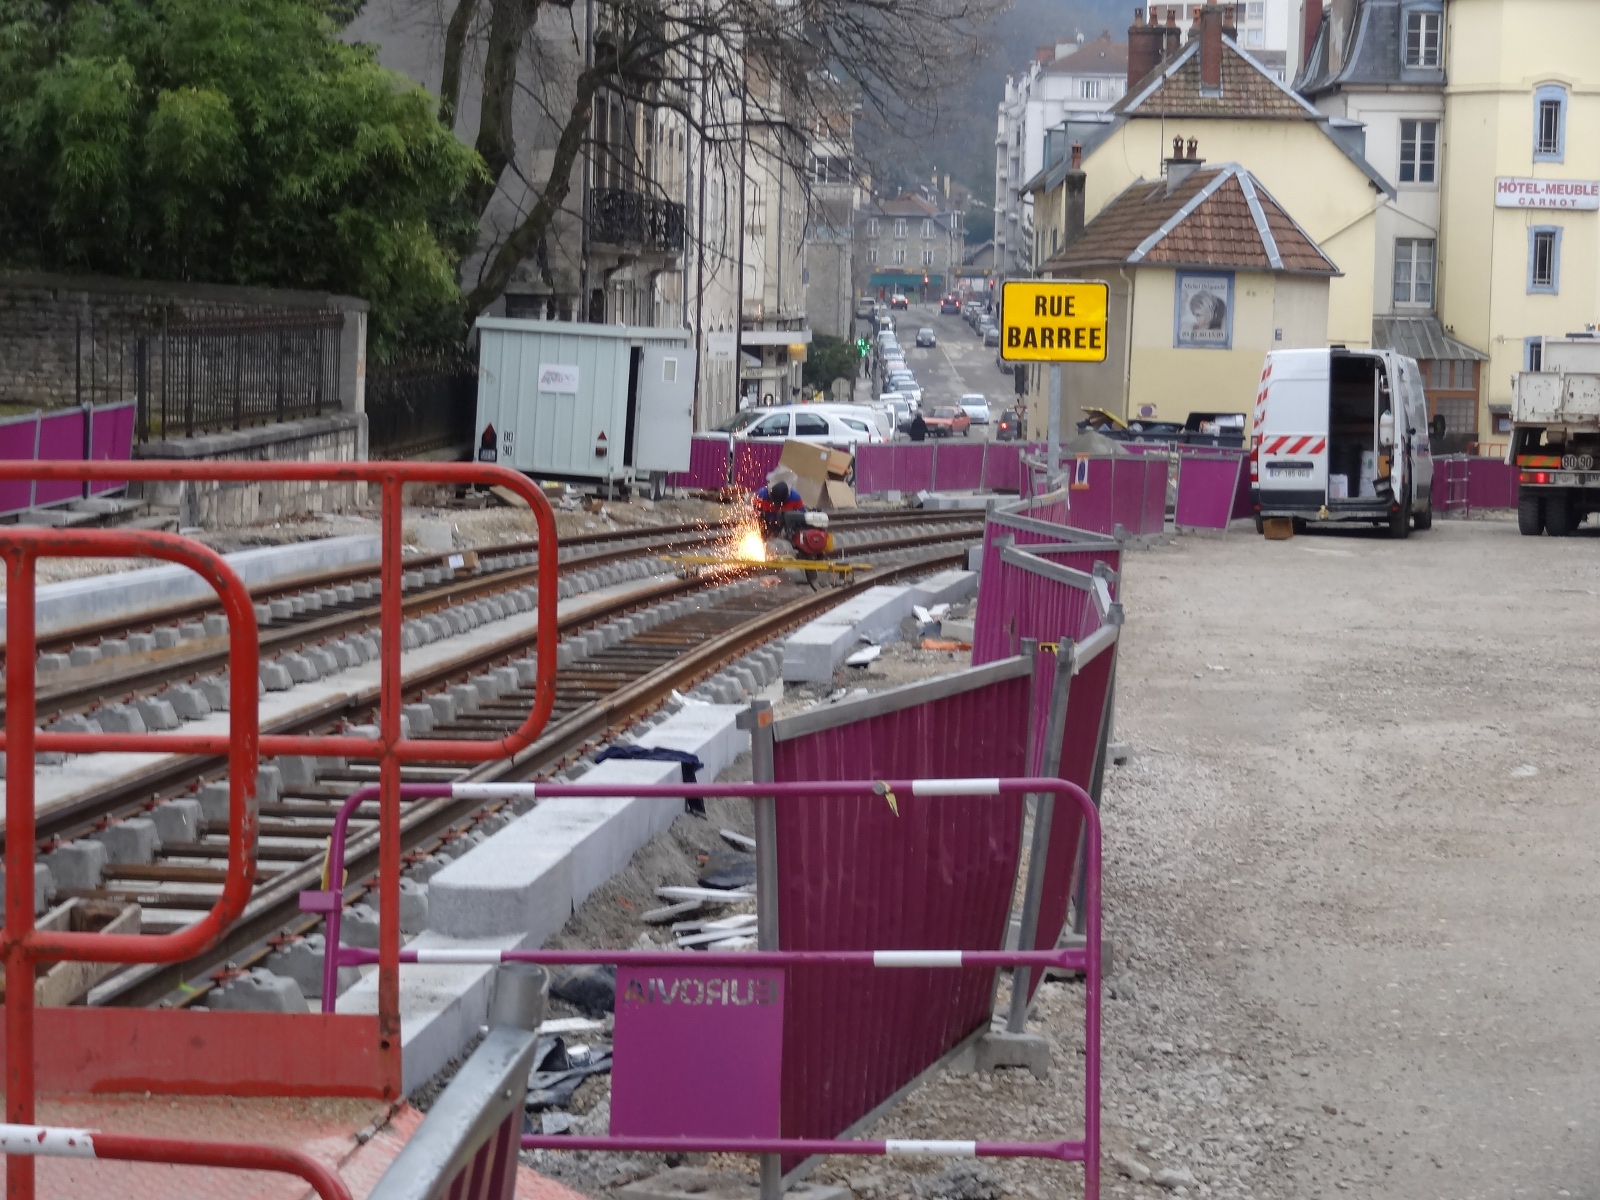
(1053, 321)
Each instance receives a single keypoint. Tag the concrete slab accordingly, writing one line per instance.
(947, 587)
(99, 597)
(519, 886)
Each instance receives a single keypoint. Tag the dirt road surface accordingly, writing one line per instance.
(1350, 877)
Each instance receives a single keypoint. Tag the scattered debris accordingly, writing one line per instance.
(737, 839)
(730, 869)
(708, 895)
(559, 1069)
(660, 916)
(933, 643)
(962, 1181)
(591, 987)
(863, 656)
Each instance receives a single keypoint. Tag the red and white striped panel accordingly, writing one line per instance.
(1294, 443)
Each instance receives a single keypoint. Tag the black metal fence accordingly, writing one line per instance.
(421, 407)
(231, 373)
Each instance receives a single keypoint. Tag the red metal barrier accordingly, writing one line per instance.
(753, 462)
(874, 470)
(710, 456)
(23, 946)
(958, 466)
(1208, 488)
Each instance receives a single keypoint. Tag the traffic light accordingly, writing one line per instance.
(924, 281)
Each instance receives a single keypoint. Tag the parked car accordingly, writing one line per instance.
(865, 306)
(991, 336)
(908, 387)
(809, 423)
(949, 306)
(899, 301)
(925, 337)
(1005, 368)
(1010, 427)
(949, 420)
(976, 406)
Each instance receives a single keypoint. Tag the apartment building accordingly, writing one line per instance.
(1069, 76)
(911, 244)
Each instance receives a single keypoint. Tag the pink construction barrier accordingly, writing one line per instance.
(60, 438)
(1208, 488)
(913, 467)
(874, 470)
(958, 466)
(708, 464)
(1016, 602)
(1491, 483)
(753, 462)
(858, 876)
(19, 439)
(112, 431)
(1001, 466)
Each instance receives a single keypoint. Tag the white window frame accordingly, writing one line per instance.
(1411, 261)
(1428, 27)
(899, 256)
(1088, 89)
(1549, 282)
(1552, 98)
(1415, 163)
(872, 256)
(872, 227)
(927, 258)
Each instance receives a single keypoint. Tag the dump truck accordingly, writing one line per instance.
(1555, 437)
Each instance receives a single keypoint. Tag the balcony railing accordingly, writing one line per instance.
(619, 217)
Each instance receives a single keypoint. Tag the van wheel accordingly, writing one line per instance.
(1261, 524)
(1424, 519)
(1400, 520)
(1530, 515)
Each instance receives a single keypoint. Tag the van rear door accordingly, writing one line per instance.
(1291, 430)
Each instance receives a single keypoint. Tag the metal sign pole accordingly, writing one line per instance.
(1053, 429)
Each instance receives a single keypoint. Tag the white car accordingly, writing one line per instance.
(977, 407)
(812, 423)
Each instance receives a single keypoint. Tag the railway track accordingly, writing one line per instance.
(626, 656)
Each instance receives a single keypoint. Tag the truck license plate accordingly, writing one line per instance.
(1289, 470)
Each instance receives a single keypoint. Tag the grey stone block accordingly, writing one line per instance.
(420, 717)
(527, 670)
(84, 656)
(113, 648)
(432, 576)
(74, 723)
(269, 784)
(467, 697)
(177, 821)
(77, 864)
(413, 907)
(359, 926)
(119, 718)
(297, 605)
(263, 614)
(132, 841)
(410, 638)
(141, 643)
(508, 677)
(363, 589)
(328, 596)
(457, 620)
(311, 600)
(167, 637)
(192, 631)
(52, 662)
(158, 714)
(444, 708)
(324, 661)
(370, 644)
(300, 668)
(425, 869)
(297, 770)
(44, 886)
(216, 625)
(282, 610)
(488, 687)
(301, 961)
(215, 689)
(258, 990)
(213, 801)
(440, 626)
(275, 677)
(188, 702)
(344, 594)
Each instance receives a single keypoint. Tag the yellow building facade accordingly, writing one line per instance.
(1520, 170)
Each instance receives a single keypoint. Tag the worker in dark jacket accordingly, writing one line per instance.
(919, 427)
(771, 502)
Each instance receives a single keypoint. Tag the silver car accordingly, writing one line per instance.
(976, 406)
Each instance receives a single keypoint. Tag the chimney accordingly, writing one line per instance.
(1194, 22)
(1185, 161)
(1211, 50)
(1172, 34)
(1230, 21)
(1072, 198)
(1311, 21)
(1145, 45)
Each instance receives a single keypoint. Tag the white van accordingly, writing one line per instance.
(1342, 435)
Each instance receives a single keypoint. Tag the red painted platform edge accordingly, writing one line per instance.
(174, 1052)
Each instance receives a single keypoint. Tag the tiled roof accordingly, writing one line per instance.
(1099, 57)
(1173, 90)
(1217, 217)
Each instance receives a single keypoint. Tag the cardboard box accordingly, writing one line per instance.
(838, 494)
(1278, 529)
(809, 463)
(839, 462)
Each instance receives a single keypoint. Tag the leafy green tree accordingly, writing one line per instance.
(829, 358)
(228, 141)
